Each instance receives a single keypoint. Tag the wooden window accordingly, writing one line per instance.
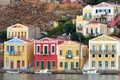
(23, 63)
(61, 64)
(53, 49)
(60, 52)
(22, 48)
(37, 63)
(53, 63)
(18, 48)
(38, 48)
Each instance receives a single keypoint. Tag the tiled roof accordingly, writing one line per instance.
(115, 37)
(93, 22)
(104, 4)
(26, 40)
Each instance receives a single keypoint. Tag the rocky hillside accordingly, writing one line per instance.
(36, 14)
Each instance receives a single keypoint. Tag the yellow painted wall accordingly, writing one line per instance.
(74, 47)
(104, 42)
(27, 55)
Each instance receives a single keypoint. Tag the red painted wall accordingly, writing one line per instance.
(45, 58)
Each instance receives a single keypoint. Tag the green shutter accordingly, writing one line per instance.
(42, 64)
(37, 63)
(53, 48)
(38, 48)
(61, 64)
(45, 50)
(53, 63)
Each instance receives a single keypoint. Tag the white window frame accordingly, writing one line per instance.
(37, 49)
(44, 49)
(54, 49)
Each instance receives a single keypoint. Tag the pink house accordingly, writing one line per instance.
(45, 53)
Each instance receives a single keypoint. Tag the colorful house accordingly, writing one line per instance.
(103, 53)
(102, 12)
(22, 31)
(45, 53)
(18, 54)
(94, 29)
(70, 56)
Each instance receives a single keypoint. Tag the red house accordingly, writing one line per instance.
(45, 53)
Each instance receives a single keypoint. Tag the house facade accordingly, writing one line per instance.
(103, 53)
(102, 12)
(22, 31)
(18, 54)
(94, 29)
(45, 53)
(70, 56)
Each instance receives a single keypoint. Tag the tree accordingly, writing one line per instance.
(3, 35)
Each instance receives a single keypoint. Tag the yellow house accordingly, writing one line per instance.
(103, 53)
(87, 12)
(70, 56)
(80, 23)
(23, 31)
(18, 54)
(94, 29)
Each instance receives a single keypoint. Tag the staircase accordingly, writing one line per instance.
(86, 65)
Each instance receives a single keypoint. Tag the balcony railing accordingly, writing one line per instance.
(103, 51)
(70, 56)
(14, 53)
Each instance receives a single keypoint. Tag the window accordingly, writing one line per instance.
(18, 48)
(8, 48)
(23, 63)
(113, 48)
(45, 49)
(93, 63)
(99, 55)
(90, 16)
(106, 48)
(22, 48)
(77, 64)
(69, 54)
(85, 16)
(11, 49)
(106, 55)
(53, 63)
(77, 52)
(86, 30)
(96, 30)
(37, 63)
(38, 48)
(93, 48)
(96, 11)
(109, 11)
(112, 63)
(113, 55)
(61, 64)
(80, 27)
(100, 10)
(100, 48)
(93, 55)
(60, 52)
(53, 49)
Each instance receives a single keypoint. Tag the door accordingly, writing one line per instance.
(99, 64)
(42, 65)
(48, 64)
(106, 65)
(18, 64)
(11, 65)
(72, 65)
(66, 66)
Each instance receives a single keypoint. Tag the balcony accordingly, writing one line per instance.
(69, 54)
(14, 53)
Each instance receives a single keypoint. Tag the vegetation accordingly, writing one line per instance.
(3, 35)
